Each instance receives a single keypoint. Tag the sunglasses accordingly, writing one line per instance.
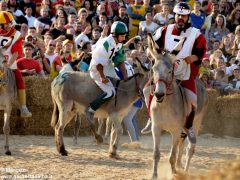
(53, 45)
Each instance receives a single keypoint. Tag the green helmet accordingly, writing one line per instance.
(119, 28)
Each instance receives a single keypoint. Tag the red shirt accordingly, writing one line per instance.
(24, 63)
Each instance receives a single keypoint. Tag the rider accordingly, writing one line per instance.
(11, 48)
(193, 50)
(108, 51)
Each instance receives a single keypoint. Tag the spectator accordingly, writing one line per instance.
(122, 16)
(44, 19)
(205, 67)
(233, 20)
(72, 19)
(147, 26)
(197, 17)
(218, 30)
(205, 80)
(49, 56)
(210, 19)
(236, 81)
(221, 85)
(59, 31)
(69, 7)
(31, 20)
(27, 65)
(60, 13)
(224, 7)
(24, 30)
(225, 46)
(88, 5)
(3, 6)
(136, 13)
(82, 19)
(164, 17)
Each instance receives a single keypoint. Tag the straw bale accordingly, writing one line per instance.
(38, 90)
(222, 117)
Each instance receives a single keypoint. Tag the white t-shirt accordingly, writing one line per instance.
(162, 20)
(50, 58)
(148, 28)
(31, 20)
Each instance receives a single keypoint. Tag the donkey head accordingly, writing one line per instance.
(163, 69)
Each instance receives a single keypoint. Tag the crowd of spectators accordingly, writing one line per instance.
(57, 32)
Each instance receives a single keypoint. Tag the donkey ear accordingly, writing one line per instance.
(153, 48)
(178, 46)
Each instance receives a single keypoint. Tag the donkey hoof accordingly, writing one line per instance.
(8, 153)
(64, 153)
(154, 176)
(114, 156)
(99, 139)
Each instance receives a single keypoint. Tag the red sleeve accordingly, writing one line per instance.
(200, 47)
(57, 61)
(19, 64)
(38, 67)
(17, 47)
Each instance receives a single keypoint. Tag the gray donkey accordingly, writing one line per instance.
(169, 111)
(73, 91)
(8, 95)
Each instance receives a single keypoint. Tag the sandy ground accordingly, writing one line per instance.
(36, 157)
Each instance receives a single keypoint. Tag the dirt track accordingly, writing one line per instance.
(36, 156)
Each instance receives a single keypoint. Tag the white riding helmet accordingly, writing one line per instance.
(182, 8)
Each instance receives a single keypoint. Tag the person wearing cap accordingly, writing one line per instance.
(108, 51)
(11, 49)
(190, 56)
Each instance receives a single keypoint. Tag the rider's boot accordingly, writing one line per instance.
(189, 127)
(94, 105)
(147, 129)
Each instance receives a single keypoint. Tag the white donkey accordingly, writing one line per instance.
(73, 91)
(168, 109)
(8, 94)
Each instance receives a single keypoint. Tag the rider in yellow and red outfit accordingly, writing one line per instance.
(11, 48)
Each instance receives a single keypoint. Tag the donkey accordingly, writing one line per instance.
(8, 94)
(73, 91)
(168, 108)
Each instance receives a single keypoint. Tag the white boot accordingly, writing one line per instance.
(25, 113)
(148, 128)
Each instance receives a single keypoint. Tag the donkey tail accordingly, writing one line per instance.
(55, 114)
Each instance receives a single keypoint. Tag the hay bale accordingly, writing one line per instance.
(38, 91)
(222, 117)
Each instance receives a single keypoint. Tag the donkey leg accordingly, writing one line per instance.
(6, 130)
(108, 128)
(115, 137)
(173, 154)
(100, 125)
(180, 150)
(76, 128)
(189, 154)
(156, 133)
(64, 119)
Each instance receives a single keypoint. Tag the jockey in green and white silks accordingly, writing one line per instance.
(107, 53)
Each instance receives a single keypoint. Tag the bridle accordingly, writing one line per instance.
(168, 84)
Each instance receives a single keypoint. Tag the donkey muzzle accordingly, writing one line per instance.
(159, 96)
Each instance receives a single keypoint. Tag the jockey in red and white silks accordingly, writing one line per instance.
(188, 60)
(11, 49)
